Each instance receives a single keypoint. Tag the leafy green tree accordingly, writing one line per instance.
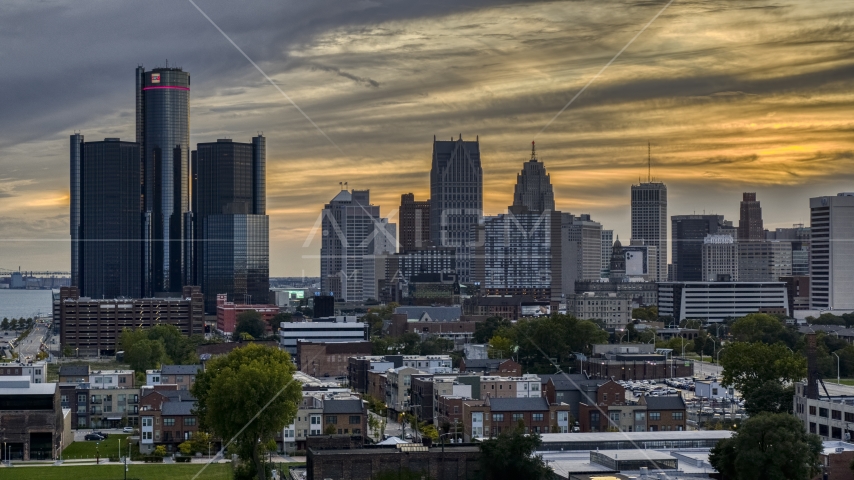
(250, 322)
(512, 455)
(246, 397)
(500, 347)
(277, 320)
(771, 397)
(428, 430)
(747, 366)
(485, 330)
(329, 429)
(145, 354)
(649, 314)
(761, 327)
(769, 446)
(160, 451)
(13, 324)
(186, 448)
(434, 345)
(179, 348)
(4, 325)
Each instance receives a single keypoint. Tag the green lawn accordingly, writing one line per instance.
(217, 471)
(844, 381)
(107, 448)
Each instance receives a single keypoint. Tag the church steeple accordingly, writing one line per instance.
(618, 262)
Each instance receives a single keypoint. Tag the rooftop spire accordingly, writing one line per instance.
(533, 151)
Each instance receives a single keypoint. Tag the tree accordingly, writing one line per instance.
(250, 322)
(13, 324)
(246, 397)
(747, 366)
(5, 324)
(769, 446)
(145, 355)
(485, 330)
(201, 442)
(285, 317)
(160, 451)
(761, 327)
(511, 455)
(186, 448)
(771, 397)
(429, 431)
(329, 430)
(649, 314)
(434, 345)
(500, 347)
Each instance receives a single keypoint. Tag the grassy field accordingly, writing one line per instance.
(217, 471)
(844, 381)
(107, 448)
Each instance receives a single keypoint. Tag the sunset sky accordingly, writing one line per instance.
(734, 96)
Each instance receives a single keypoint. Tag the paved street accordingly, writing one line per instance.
(29, 346)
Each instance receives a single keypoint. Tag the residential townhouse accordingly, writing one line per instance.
(527, 385)
(489, 417)
(398, 389)
(166, 417)
(182, 376)
(36, 371)
(318, 411)
(501, 367)
(613, 410)
(96, 378)
(100, 407)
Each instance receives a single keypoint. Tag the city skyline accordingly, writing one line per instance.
(732, 99)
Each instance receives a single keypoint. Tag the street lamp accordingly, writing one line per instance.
(837, 367)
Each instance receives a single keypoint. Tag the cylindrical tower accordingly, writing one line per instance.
(164, 100)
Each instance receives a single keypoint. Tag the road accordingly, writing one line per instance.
(30, 346)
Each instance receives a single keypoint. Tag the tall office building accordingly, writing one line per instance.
(352, 232)
(832, 252)
(75, 157)
(456, 198)
(689, 233)
(720, 259)
(764, 260)
(534, 187)
(105, 218)
(230, 225)
(581, 245)
(649, 220)
(799, 238)
(607, 248)
(163, 133)
(750, 219)
(414, 223)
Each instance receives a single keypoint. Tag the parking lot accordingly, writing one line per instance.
(699, 409)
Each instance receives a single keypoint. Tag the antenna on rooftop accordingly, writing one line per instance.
(648, 162)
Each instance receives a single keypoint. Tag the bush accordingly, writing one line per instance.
(183, 459)
(113, 459)
(299, 453)
(152, 459)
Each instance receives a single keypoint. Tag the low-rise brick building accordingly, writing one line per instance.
(501, 367)
(166, 418)
(30, 418)
(328, 359)
(489, 417)
(614, 411)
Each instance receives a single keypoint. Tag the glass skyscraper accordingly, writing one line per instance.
(163, 133)
(231, 228)
(105, 216)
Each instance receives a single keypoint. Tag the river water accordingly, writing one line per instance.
(25, 303)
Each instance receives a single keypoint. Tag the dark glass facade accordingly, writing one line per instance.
(229, 181)
(109, 254)
(688, 232)
(236, 258)
(163, 131)
(74, 207)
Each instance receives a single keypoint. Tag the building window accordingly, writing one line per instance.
(189, 421)
(147, 421)
(615, 417)
(330, 419)
(81, 398)
(849, 417)
(812, 409)
(812, 427)
(677, 415)
(604, 397)
(594, 417)
(822, 430)
(640, 416)
(497, 417)
(122, 380)
(537, 417)
(355, 420)
(836, 414)
(655, 415)
(168, 422)
(822, 412)
(315, 419)
(836, 433)
(518, 416)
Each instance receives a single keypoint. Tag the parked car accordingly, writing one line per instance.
(94, 436)
(127, 430)
(102, 434)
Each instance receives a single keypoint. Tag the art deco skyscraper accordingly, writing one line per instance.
(534, 187)
(163, 133)
(750, 220)
(456, 197)
(649, 220)
(231, 228)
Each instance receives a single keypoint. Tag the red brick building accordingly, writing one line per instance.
(166, 418)
(612, 411)
(328, 359)
(227, 313)
(491, 366)
(489, 417)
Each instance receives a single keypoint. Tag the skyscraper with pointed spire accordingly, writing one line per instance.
(750, 227)
(649, 217)
(533, 186)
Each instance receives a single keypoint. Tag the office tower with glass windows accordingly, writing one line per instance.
(163, 133)
(456, 198)
(649, 220)
(231, 228)
(105, 213)
(75, 157)
(689, 234)
(607, 249)
(750, 219)
(832, 253)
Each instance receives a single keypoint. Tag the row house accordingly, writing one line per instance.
(527, 385)
(492, 416)
(166, 417)
(100, 407)
(320, 412)
(183, 376)
(501, 367)
(96, 378)
(613, 411)
(376, 385)
(398, 389)
(36, 371)
(358, 367)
